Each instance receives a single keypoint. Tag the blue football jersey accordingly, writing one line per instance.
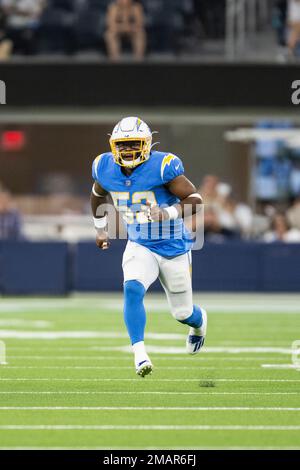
(146, 183)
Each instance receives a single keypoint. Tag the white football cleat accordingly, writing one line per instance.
(144, 368)
(196, 336)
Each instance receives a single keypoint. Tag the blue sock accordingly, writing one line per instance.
(195, 320)
(134, 310)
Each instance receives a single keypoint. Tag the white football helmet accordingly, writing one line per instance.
(134, 131)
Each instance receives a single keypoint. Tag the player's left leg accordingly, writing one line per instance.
(175, 277)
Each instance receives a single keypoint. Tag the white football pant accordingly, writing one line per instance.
(141, 264)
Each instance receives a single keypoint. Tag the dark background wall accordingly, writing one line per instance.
(228, 267)
(71, 148)
(149, 84)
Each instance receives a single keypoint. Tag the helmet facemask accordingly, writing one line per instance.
(130, 152)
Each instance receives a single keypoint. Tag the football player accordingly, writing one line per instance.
(152, 194)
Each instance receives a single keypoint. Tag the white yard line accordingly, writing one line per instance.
(146, 408)
(199, 368)
(22, 323)
(113, 392)
(108, 427)
(80, 334)
(219, 350)
(107, 448)
(280, 366)
(56, 335)
(137, 380)
(150, 348)
(65, 358)
(51, 335)
(221, 303)
(93, 346)
(199, 359)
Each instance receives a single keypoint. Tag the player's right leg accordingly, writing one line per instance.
(140, 269)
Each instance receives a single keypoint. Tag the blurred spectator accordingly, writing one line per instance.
(90, 24)
(208, 189)
(293, 213)
(213, 230)
(221, 210)
(57, 27)
(166, 20)
(279, 20)
(282, 231)
(233, 215)
(10, 220)
(5, 43)
(125, 20)
(294, 24)
(22, 23)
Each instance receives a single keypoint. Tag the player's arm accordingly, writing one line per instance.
(189, 197)
(98, 199)
(190, 201)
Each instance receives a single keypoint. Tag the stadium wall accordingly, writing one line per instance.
(56, 268)
(149, 84)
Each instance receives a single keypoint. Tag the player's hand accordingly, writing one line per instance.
(155, 214)
(102, 240)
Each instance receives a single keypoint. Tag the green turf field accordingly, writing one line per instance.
(69, 381)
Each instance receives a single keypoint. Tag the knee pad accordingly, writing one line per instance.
(134, 290)
(181, 305)
(195, 319)
(181, 313)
